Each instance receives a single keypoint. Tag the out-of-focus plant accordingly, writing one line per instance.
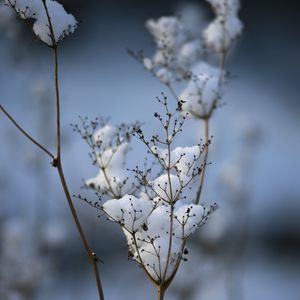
(22, 265)
(180, 58)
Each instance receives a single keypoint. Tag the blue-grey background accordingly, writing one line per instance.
(97, 77)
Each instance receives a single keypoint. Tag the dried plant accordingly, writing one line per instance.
(157, 213)
(51, 25)
(154, 205)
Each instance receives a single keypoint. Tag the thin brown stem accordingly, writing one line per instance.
(202, 174)
(58, 164)
(26, 133)
(58, 139)
(206, 128)
(160, 292)
(80, 230)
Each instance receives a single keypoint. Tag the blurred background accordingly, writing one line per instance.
(250, 249)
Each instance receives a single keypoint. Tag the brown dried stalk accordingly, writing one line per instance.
(56, 159)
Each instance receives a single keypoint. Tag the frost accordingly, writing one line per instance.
(225, 28)
(62, 23)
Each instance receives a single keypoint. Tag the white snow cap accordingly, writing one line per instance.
(129, 211)
(183, 164)
(104, 135)
(167, 31)
(62, 22)
(111, 147)
(226, 27)
(177, 48)
(112, 177)
(202, 91)
(182, 159)
(147, 229)
(155, 238)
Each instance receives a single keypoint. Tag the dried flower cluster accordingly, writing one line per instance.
(180, 56)
(159, 214)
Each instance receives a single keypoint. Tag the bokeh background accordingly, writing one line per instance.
(250, 249)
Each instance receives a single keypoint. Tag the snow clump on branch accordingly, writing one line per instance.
(51, 22)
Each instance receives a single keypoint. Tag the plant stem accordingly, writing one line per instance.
(57, 159)
(202, 174)
(80, 230)
(160, 292)
(26, 133)
(206, 127)
(57, 163)
(222, 67)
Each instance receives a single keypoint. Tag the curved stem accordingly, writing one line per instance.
(25, 133)
(202, 174)
(89, 252)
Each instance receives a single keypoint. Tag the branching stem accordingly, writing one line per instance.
(57, 159)
(25, 133)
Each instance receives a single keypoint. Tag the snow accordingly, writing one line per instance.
(147, 229)
(182, 159)
(167, 31)
(103, 136)
(111, 147)
(226, 26)
(177, 48)
(189, 217)
(130, 211)
(62, 22)
(164, 75)
(167, 187)
(200, 95)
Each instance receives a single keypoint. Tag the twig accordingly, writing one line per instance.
(25, 133)
(57, 163)
(201, 176)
